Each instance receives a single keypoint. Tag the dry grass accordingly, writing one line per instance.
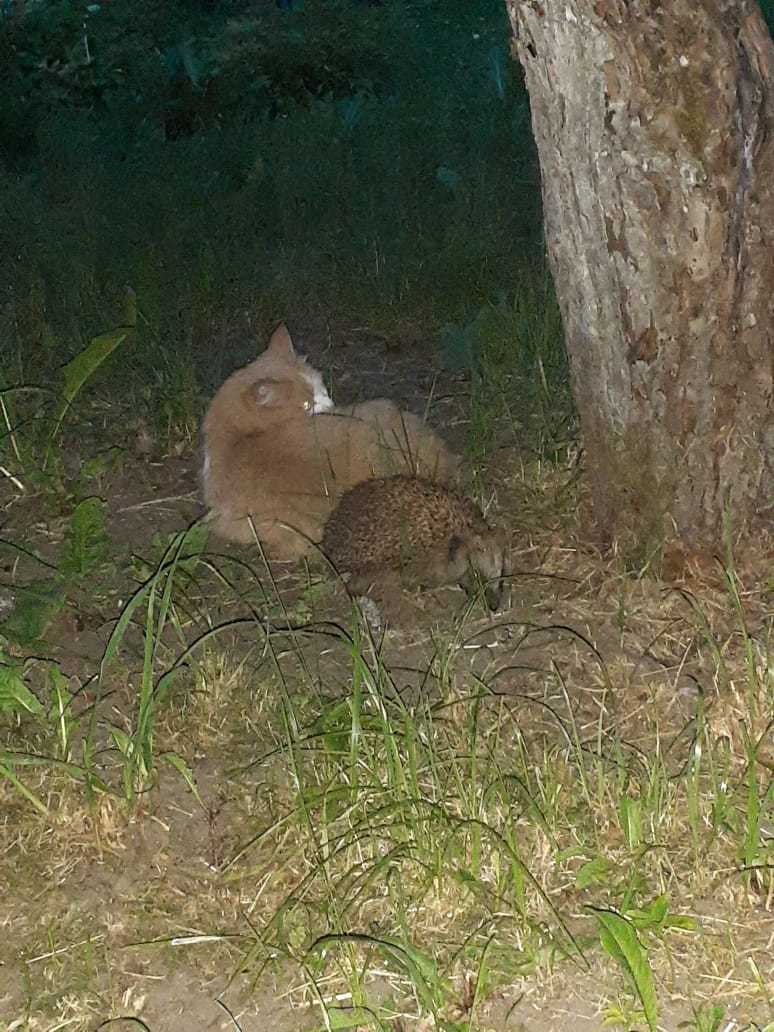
(418, 828)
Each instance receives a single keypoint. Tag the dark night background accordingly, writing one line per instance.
(326, 161)
(330, 161)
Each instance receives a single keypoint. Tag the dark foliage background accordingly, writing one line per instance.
(333, 160)
(328, 162)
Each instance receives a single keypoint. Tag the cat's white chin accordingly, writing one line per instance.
(322, 400)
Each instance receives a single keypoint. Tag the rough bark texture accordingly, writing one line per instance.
(654, 121)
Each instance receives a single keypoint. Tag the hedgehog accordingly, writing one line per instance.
(412, 532)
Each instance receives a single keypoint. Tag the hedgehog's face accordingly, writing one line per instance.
(480, 565)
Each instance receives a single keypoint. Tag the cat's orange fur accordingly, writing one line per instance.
(271, 462)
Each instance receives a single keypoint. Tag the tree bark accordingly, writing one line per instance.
(654, 122)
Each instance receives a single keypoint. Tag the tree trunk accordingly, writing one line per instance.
(654, 121)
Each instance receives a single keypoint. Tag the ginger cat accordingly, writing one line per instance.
(277, 455)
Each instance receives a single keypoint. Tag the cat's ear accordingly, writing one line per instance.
(263, 392)
(281, 343)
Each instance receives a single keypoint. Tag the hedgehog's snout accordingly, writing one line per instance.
(482, 566)
(504, 569)
(476, 581)
(493, 585)
(493, 593)
(500, 569)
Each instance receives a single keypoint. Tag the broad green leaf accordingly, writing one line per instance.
(79, 369)
(683, 921)
(37, 604)
(594, 872)
(651, 916)
(619, 937)
(14, 693)
(655, 917)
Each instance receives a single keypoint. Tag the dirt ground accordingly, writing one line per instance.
(131, 922)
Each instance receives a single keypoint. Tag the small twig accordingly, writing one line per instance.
(158, 501)
(11, 434)
(14, 480)
(65, 949)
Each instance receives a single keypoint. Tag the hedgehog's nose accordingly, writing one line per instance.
(493, 594)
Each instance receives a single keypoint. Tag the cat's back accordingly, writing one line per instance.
(378, 440)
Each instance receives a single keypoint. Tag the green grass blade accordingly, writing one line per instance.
(350, 1017)
(184, 770)
(118, 632)
(76, 771)
(22, 789)
(420, 968)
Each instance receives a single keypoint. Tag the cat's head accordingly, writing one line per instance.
(281, 375)
(279, 384)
